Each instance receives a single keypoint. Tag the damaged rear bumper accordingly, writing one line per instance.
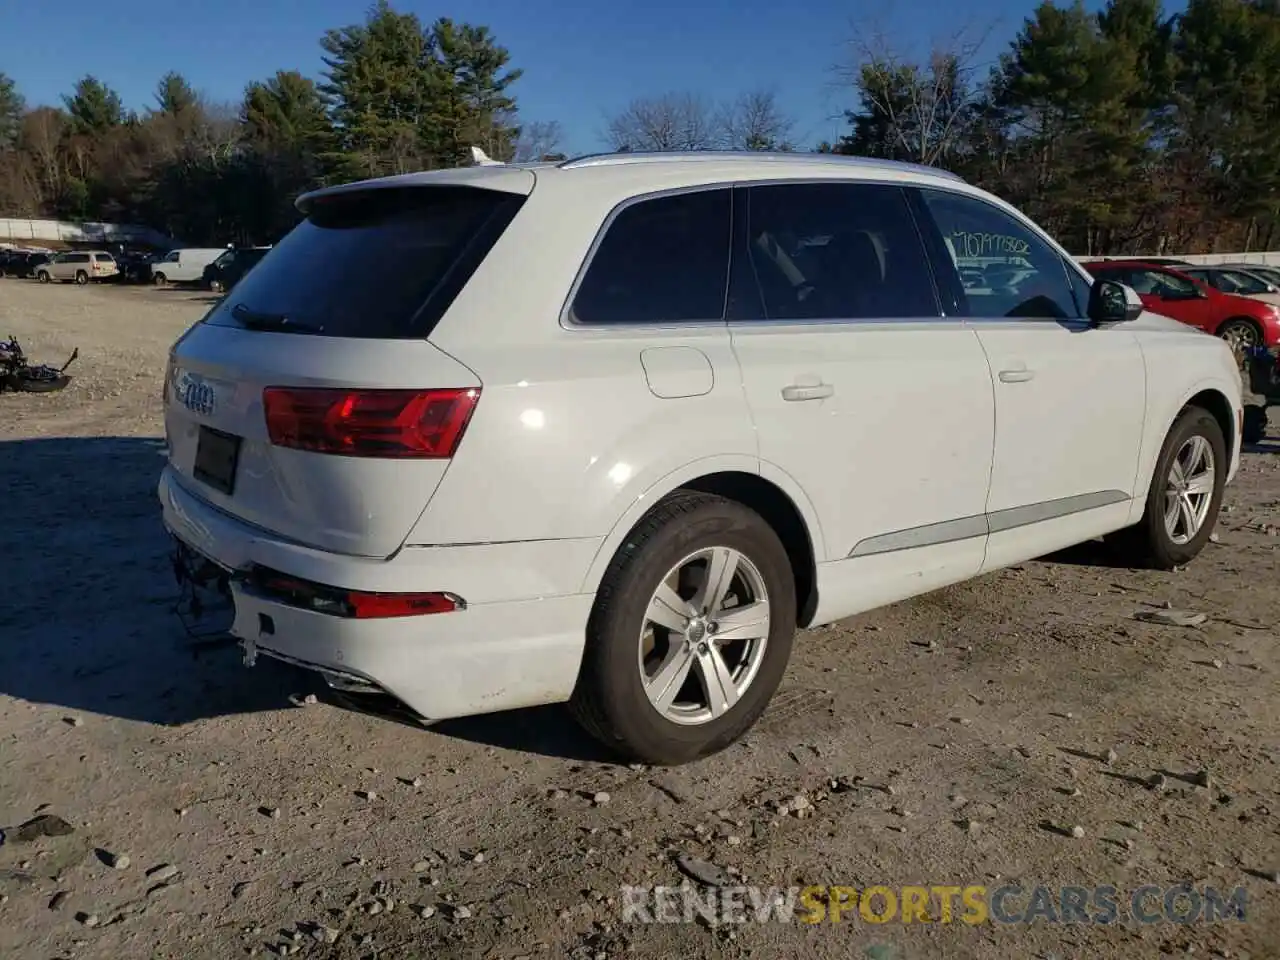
(493, 655)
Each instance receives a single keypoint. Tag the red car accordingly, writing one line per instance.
(1242, 321)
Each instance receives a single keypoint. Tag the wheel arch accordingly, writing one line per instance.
(771, 493)
(1214, 402)
(1211, 394)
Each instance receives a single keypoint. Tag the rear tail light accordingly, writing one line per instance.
(407, 424)
(353, 604)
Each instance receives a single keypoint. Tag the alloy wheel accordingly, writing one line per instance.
(1240, 336)
(704, 636)
(1189, 490)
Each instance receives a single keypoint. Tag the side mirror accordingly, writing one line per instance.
(1112, 302)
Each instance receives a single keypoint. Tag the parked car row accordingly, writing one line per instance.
(22, 263)
(214, 268)
(78, 266)
(1234, 303)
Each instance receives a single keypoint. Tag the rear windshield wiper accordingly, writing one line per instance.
(258, 320)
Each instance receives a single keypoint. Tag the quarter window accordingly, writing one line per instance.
(664, 260)
(1005, 269)
(834, 251)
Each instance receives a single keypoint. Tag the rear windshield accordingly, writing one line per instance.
(381, 263)
(102, 257)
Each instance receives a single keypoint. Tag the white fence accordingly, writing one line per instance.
(1209, 259)
(35, 232)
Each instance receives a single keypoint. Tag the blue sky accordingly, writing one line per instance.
(583, 59)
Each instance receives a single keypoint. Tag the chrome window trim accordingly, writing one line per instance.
(790, 325)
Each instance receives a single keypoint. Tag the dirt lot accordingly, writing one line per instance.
(953, 740)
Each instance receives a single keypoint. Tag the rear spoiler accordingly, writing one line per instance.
(480, 172)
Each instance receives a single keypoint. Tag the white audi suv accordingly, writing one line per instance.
(609, 431)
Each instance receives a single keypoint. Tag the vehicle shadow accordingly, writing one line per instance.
(192, 292)
(88, 618)
(1091, 553)
(546, 731)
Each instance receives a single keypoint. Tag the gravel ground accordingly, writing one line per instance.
(957, 739)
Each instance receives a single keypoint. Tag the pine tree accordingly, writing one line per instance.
(174, 95)
(12, 107)
(94, 107)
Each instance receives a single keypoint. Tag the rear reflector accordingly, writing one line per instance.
(354, 604)
(407, 424)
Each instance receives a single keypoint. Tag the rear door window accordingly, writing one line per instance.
(823, 251)
(663, 260)
(383, 263)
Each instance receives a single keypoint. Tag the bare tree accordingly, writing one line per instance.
(913, 109)
(207, 130)
(673, 121)
(539, 140)
(41, 137)
(754, 121)
(20, 193)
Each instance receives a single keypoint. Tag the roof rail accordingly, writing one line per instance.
(748, 156)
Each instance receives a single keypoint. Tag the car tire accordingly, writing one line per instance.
(1241, 332)
(43, 276)
(626, 652)
(81, 278)
(215, 286)
(1152, 542)
(159, 279)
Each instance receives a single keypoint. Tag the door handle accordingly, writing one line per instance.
(1017, 376)
(816, 391)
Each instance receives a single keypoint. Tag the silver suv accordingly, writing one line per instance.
(80, 266)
